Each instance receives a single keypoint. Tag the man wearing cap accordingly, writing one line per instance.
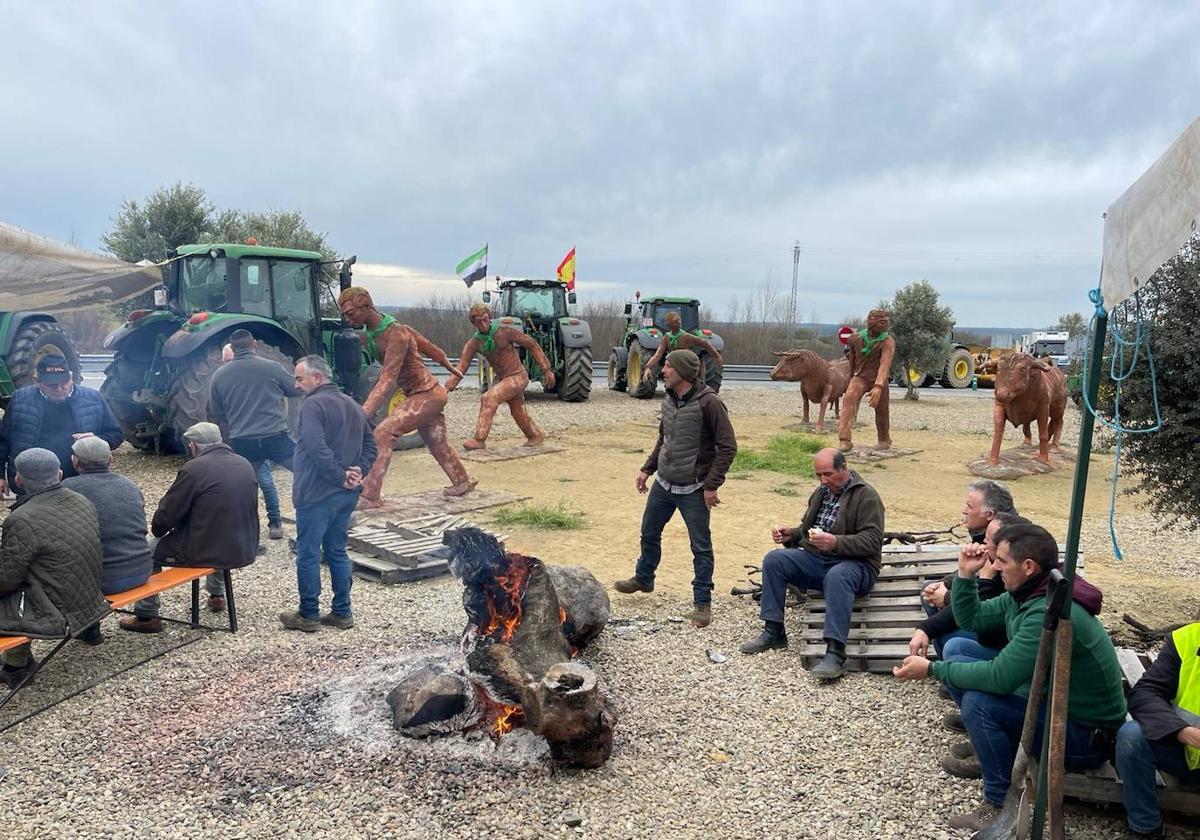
(127, 560)
(209, 515)
(695, 447)
(49, 563)
(248, 400)
(53, 413)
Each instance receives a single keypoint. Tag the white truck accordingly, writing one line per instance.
(1047, 344)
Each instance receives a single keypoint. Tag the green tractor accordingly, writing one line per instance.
(24, 338)
(163, 358)
(645, 326)
(538, 308)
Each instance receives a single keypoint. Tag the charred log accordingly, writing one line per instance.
(567, 708)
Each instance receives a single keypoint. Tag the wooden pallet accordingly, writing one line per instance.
(882, 622)
(400, 552)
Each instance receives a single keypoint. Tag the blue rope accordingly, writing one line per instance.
(1126, 352)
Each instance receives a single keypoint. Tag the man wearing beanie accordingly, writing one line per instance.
(694, 449)
(49, 563)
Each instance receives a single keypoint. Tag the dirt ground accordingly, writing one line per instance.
(922, 492)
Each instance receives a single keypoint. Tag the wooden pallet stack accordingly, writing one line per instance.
(399, 552)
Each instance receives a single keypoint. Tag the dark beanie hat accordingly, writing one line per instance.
(686, 364)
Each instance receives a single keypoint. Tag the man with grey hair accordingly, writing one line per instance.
(127, 561)
(209, 515)
(266, 481)
(335, 448)
(49, 563)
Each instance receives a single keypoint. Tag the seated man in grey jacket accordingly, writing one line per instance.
(127, 561)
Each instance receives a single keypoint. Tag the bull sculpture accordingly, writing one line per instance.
(1028, 390)
(820, 381)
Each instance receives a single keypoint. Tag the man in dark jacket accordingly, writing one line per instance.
(334, 450)
(1164, 734)
(993, 694)
(836, 549)
(53, 413)
(249, 402)
(209, 515)
(694, 449)
(49, 563)
(127, 561)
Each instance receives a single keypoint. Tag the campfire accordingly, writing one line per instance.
(525, 622)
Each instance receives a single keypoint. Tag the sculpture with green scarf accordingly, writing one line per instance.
(872, 351)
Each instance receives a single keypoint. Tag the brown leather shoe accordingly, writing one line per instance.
(216, 603)
(962, 749)
(141, 625)
(964, 768)
(701, 615)
(977, 820)
(627, 587)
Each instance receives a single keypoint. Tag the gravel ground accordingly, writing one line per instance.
(273, 734)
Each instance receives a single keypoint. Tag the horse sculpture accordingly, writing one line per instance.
(820, 381)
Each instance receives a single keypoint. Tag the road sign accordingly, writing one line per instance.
(844, 334)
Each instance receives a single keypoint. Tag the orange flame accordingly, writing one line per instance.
(512, 582)
(509, 718)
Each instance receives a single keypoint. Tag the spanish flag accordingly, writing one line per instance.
(566, 270)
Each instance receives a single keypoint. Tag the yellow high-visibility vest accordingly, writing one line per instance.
(1187, 696)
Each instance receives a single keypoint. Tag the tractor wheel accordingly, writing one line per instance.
(960, 369)
(122, 377)
(486, 375)
(187, 403)
(33, 341)
(639, 388)
(616, 373)
(576, 384)
(919, 378)
(711, 373)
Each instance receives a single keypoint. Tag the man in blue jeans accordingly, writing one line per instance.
(335, 448)
(836, 549)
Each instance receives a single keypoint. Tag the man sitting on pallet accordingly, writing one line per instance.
(993, 694)
(835, 549)
(49, 563)
(209, 517)
(1165, 731)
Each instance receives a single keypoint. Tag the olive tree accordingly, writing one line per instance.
(921, 329)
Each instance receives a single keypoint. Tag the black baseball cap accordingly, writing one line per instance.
(52, 369)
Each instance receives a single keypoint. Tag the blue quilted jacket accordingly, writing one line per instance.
(22, 424)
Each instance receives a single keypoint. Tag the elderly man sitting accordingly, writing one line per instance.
(127, 561)
(49, 563)
(209, 516)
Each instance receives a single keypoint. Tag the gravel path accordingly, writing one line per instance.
(275, 734)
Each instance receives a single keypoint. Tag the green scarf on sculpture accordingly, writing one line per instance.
(868, 342)
(384, 322)
(488, 338)
(673, 338)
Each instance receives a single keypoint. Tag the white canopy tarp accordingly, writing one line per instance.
(41, 274)
(1154, 218)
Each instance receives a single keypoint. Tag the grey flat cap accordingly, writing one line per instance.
(91, 452)
(37, 466)
(203, 434)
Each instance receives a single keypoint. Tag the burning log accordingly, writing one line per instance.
(568, 709)
(434, 700)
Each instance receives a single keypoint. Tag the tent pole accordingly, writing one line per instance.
(1074, 525)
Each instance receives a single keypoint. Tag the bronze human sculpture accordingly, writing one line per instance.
(871, 354)
(1028, 390)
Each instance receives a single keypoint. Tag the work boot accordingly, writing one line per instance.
(295, 621)
(141, 625)
(275, 531)
(13, 677)
(92, 636)
(964, 768)
(833, 665)
(701, 615)
(953, 722)
(977, 820)
(773, 637)
(341, 622)
(962, 749)
(628, 587)
(216, 603)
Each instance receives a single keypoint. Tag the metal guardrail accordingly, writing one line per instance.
(95, 363)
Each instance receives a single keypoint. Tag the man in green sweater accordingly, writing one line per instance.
(993, 694)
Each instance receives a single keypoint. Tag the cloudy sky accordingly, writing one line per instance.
(681, 146)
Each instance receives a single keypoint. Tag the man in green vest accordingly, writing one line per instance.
(1164, 734)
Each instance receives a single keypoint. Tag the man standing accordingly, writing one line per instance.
(836, 549)
(335, 448)
(496, 343)
(249, 403)
(695, 447)
(676, 338)
(127, 561)
(49, 563)
(266, 481)
(53, 413)
(993, 694)
(871, 353)
(399, 348)
(209, 515)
